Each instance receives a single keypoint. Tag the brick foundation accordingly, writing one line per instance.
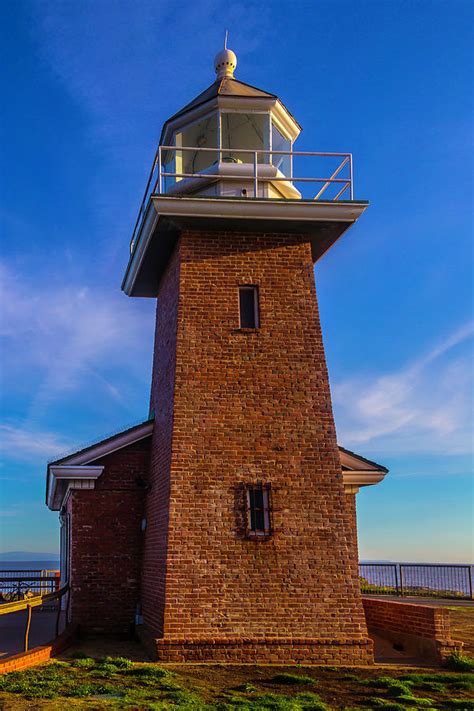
(420, 630)
(268, 651)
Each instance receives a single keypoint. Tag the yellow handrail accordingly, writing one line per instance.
(35, 601)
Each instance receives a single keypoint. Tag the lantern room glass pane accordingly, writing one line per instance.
(244, 131)
(201, 134)
(281, 143)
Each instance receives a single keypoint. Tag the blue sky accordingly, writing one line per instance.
(88, 88)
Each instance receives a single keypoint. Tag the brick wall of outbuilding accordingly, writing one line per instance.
(247, 406)
(420, 630)
(106, 542)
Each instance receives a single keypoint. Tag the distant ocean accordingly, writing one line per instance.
(29, 564)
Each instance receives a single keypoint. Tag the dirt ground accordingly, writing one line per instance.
(73, 683)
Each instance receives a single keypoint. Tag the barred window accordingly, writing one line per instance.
(248, 307)
(258, 501)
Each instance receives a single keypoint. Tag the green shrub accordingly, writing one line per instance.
(459, 662)
(84, 663)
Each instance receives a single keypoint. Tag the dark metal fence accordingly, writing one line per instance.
(417, 579)
(23, 584)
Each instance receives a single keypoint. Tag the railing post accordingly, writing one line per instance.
(351, 177)
(58, 616)
(160, 177)
(68, 593)
(469, 575)
(397, 586)
(401, 579)
(255, 174)
(27, 629)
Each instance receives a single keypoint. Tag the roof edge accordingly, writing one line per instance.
(102, 448)
(380, 467)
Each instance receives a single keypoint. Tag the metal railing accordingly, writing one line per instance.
(339, 174)
(22, 584)
(9, 608)
(417, 580)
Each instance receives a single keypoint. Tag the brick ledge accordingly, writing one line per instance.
(38, 655)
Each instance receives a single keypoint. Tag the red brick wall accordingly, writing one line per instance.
(106, 542)
(351, 508)
(247, 406)
(161, 401)
(403, 622)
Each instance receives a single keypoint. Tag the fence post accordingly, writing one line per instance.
(401, 579)
(58, 616)
(160, 177)
(469, 573)
(255, 174)
(397, 586)
(27, 628)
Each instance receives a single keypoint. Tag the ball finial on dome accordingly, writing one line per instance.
(225, 62)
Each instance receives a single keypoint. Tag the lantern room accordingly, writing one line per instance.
(226, 138)
(226, 161)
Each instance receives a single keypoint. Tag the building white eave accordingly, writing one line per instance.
(166, 217)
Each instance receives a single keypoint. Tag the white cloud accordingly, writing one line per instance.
(59, 339)
(424, 407)
(29, 445)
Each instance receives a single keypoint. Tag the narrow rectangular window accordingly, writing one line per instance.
(258, 510)
(248, 307)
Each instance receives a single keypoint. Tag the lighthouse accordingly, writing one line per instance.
(249, 550)
(234, 507)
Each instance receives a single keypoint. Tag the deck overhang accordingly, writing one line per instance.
(167, 217)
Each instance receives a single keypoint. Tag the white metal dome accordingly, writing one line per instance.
(225, 62)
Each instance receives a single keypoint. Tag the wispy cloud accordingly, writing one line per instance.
(424, 407)
(30, 445)
(66, 338)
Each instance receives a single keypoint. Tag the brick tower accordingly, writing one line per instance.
(250, 548)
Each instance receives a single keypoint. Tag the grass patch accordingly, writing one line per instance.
(117, 683)
(292, 679)
(117, 662)
(395, 687)
(246, 688)
(388, 705)
(84, 663)
(149, 672)
(276, 702)
(49, 682)
(416, 701)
